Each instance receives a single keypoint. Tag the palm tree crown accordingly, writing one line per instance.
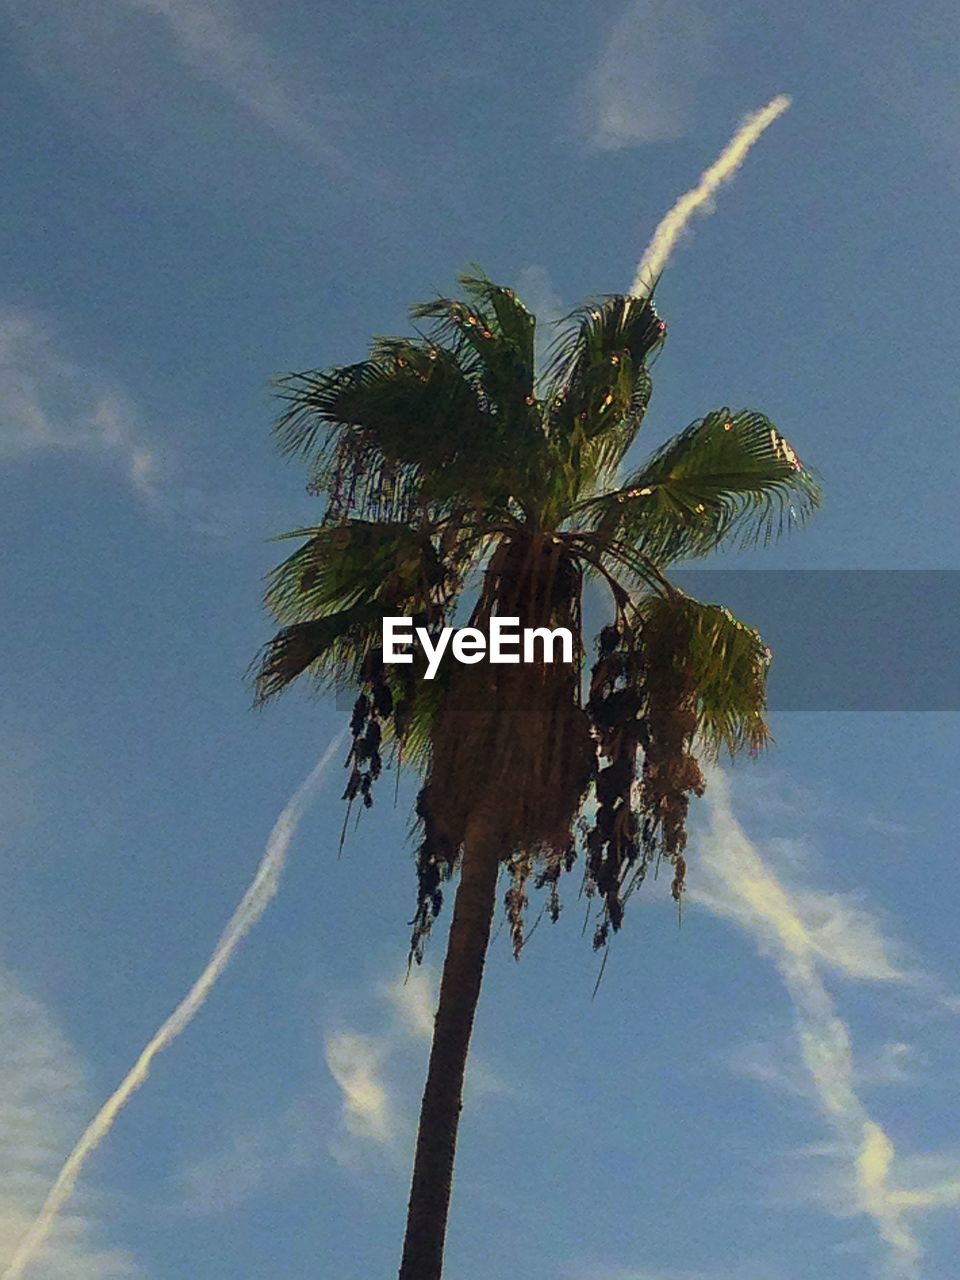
(445, 461)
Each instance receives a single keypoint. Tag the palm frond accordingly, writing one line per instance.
(331, 648)
(726, 663)
(339, 565)
(372, 430)
(492, 334)
(597, 384)
(728, 474)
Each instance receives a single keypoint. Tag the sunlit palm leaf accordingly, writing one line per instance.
(339, 565)
(729, 474)
(597, 384)
(492, 335)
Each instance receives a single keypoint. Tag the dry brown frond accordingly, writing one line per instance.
(512, 740)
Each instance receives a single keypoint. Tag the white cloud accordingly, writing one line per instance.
(372, 1118)
(644, 84)
(270, 1151)
(829, 928)
(808, 935)
(42, 1105)
(52, 404)
(211, 41)
(376, 1111)
(699, 200)
(778, 1064)
(482, 1081)
(257, 898)
(49, 403)
(772, 1063)
(894, 1063)
(535, 289)
(355, 1062)
(414, 999)
(112, 55)
(370, 1113)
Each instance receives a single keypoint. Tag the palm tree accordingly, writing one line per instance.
(459, 484)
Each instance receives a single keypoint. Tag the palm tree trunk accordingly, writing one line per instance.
(443, 1095)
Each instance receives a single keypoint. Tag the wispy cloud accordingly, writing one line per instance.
(372, 1115)
(259, 1157)
(832, 929)
(376, 1111)
(644, 84)
(210, 39)
(42, 1098)
(776, 1064)
(254, 902)
(205, 93)
(538, 294)
(809, 935)
(50, 403)
(53, 404)
(356, 1063)
(413, 997)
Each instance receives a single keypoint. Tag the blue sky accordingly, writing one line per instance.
(200, 195)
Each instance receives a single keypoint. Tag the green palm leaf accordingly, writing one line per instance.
(727, 474)
(373, 431)
(727, 663)
(492, 336)
(331, 648)
(438, 459)
(359, 560)
(598, 386)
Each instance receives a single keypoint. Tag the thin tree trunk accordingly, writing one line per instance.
(443, 1095)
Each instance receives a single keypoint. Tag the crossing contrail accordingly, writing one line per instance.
(252, 906)
(722, 170)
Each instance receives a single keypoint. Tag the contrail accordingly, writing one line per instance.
(722, 170)
(736, 884)
(252, 906)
